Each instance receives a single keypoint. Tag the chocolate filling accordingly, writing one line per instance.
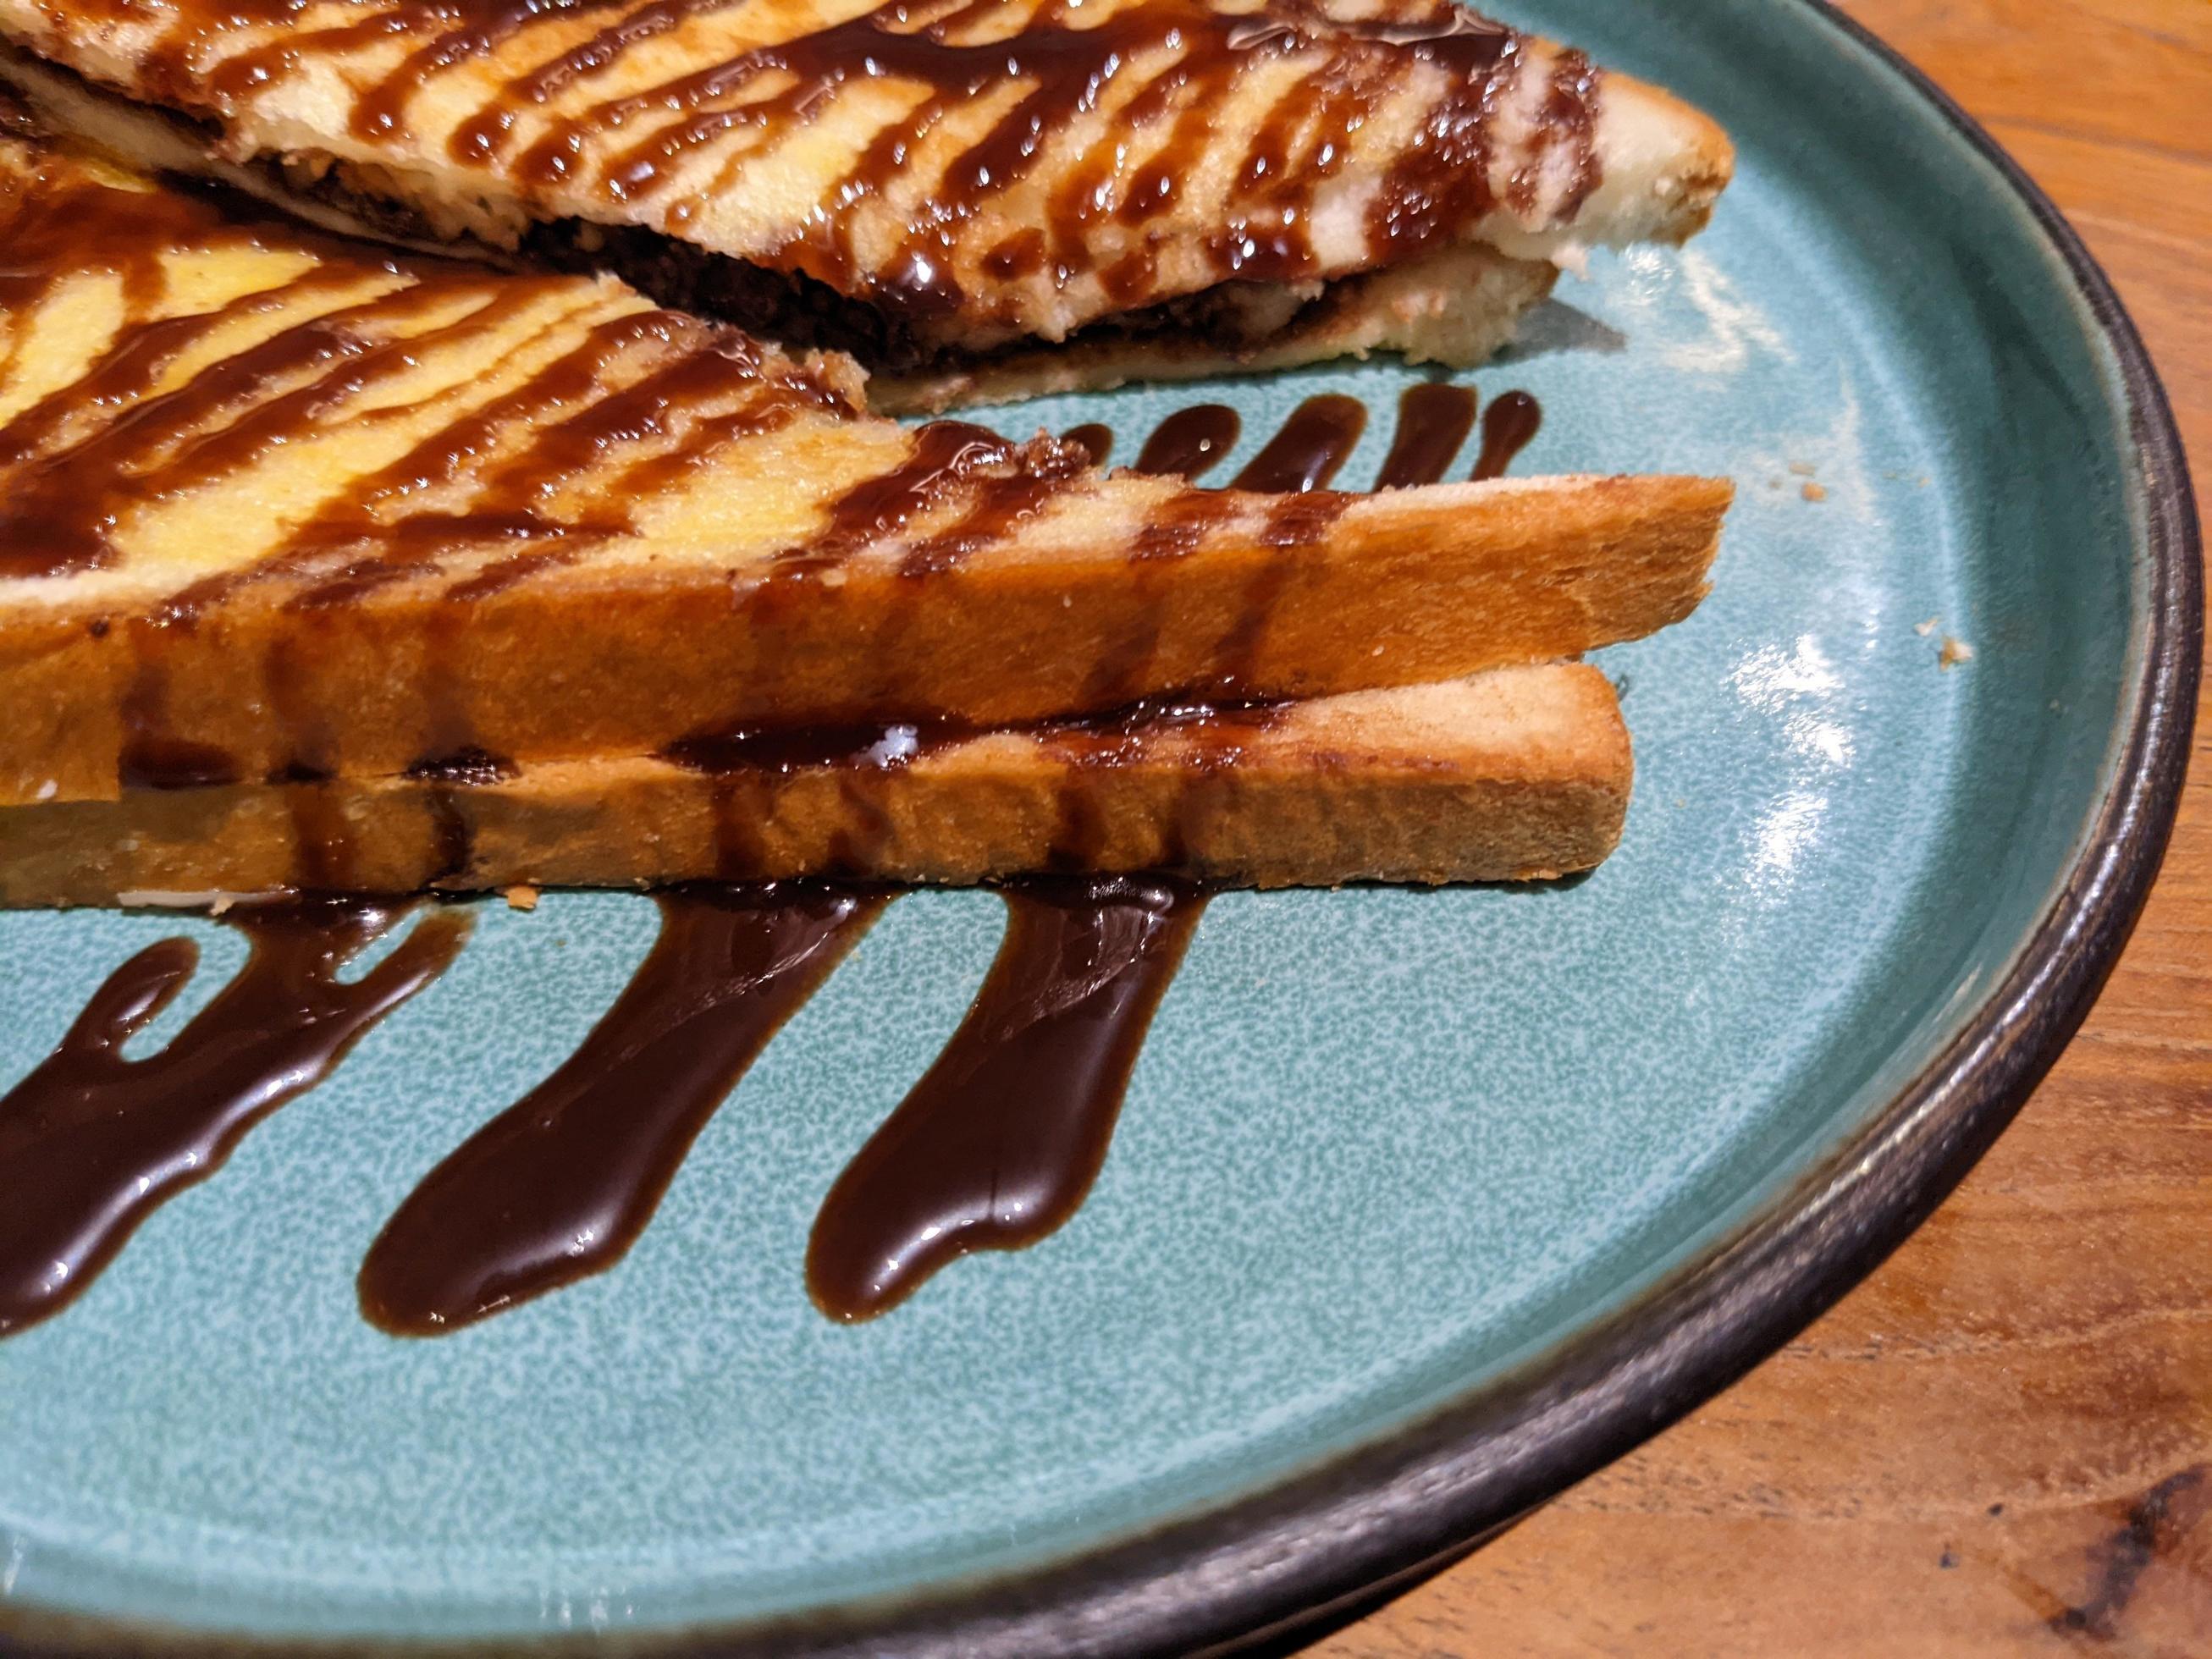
(796, 310)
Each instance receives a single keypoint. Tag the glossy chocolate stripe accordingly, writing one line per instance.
(1160, 68)
(60, 510)
(60, 231)
(1094, 439)
(91, 1143)
(560, 1185)
(1191, 442)
(1509, 426)
(1310, 449)
(1433, 421)
(998, 1143)
(138, 358)
(575, 377)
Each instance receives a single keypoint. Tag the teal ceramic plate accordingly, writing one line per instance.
(1422, 1205)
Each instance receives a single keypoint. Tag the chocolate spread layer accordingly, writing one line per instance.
(790, 308)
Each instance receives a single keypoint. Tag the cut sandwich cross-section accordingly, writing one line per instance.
(278, 508)
(940, 188)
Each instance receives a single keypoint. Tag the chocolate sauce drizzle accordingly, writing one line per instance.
(1433, 421)
(549, 467)
(999, 1144)
(993, 1149)
(1189, 443)
(1309, 450)
(1163, 65)
(91, 1143)
(657, 388)
(1509, 426)
(560, 1185)
(1311, 447)
(1094, 440)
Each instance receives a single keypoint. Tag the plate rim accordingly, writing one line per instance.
(1280, 1566)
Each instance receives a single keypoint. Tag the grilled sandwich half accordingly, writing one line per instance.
(943, 188)
(278, 508)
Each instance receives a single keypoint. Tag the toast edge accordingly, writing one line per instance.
(1408, 586)
(1518, 775)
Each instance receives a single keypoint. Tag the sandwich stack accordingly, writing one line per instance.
(331, 564)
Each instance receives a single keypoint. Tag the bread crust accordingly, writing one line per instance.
(1516, 774)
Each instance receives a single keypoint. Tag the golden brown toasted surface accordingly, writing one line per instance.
(979, 173)
(1519, 774)
(274, 505)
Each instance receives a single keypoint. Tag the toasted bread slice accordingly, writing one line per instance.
(1518, 774)
(1456, 305)
(922, 186)
(273, 506)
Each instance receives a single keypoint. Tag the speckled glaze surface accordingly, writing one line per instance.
(1385, 1150)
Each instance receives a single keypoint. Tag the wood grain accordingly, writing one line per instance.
(2001, 1443)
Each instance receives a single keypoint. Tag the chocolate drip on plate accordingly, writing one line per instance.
(1093, 439)
(91, 1143)
(999, 1144)
(1189, 443)
(1310, 449)
(1509, 426)
(560, 1185)
(1433, 421)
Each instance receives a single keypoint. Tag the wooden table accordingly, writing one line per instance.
(2002, 1442)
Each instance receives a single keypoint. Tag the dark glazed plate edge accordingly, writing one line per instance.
(1263, 1570)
